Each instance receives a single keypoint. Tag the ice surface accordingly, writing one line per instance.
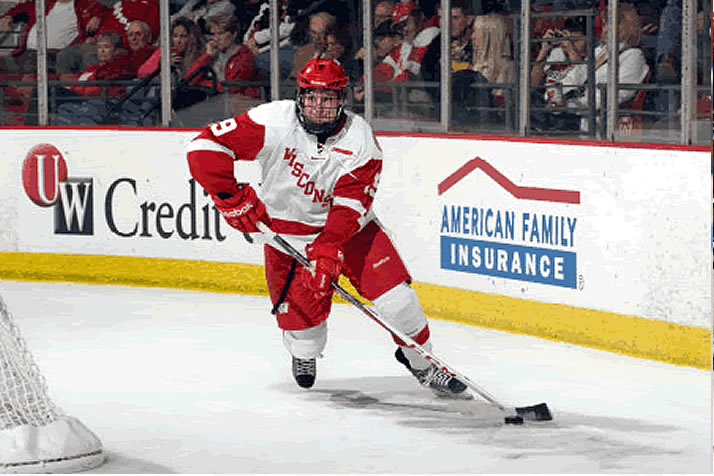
(191, 382)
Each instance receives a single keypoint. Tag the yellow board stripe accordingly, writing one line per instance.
(628, 335)
(624, 334)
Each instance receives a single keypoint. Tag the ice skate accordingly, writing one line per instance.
(440, 382)
(304, 371)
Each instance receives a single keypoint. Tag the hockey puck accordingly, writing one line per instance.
(514, 420)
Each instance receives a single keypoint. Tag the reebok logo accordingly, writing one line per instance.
(240, 211)
(380, 262)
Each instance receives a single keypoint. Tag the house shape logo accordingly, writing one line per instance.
(519, 192)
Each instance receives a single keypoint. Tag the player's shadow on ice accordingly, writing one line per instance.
(416, 406)
(594, 443)
(404, 399)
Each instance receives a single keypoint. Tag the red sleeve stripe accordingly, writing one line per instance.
(197, 145)
(352, 203)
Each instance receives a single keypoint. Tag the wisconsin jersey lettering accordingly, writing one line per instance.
(303, 179)
(298, 184)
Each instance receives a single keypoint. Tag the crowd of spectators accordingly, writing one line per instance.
(565, 83)
(218, 41)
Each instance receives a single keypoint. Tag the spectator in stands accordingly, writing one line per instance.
(668, 51)
(113, 64)
(339, 47)
(461, 48)
(403, 62)
(187, 45)
(258, 30)
(491, 55)
(551, 75)
(383, 35)
(126, 11)
(461, 25)
(491, 62)
(344, 11)
(336, 45)
(669, 43)
(550, 80)
(140, 46)
(407, 20)
(198, 11)
(566, 86)
(68, 22)
(320, 23)
(632, 66)
(75, 58)
(384, 39)
(382, 12)
(225, 58)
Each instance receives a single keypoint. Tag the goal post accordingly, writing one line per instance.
(35, 436)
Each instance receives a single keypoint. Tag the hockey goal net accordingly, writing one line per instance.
(35, 436)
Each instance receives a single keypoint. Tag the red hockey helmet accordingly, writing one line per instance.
(323, 73)
(322, 89)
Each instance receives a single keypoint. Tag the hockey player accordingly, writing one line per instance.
(320, 171)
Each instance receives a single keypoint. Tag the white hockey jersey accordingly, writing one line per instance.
(301, 180)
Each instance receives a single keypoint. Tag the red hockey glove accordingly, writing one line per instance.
(326, 260)
(243, 210)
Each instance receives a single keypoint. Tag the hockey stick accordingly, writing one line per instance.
(539, 412)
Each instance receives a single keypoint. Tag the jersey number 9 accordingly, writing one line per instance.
(223, 127)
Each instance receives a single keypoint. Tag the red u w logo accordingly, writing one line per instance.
(43, 170)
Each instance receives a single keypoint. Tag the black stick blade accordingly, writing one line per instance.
(539, 412)
(513, 420)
